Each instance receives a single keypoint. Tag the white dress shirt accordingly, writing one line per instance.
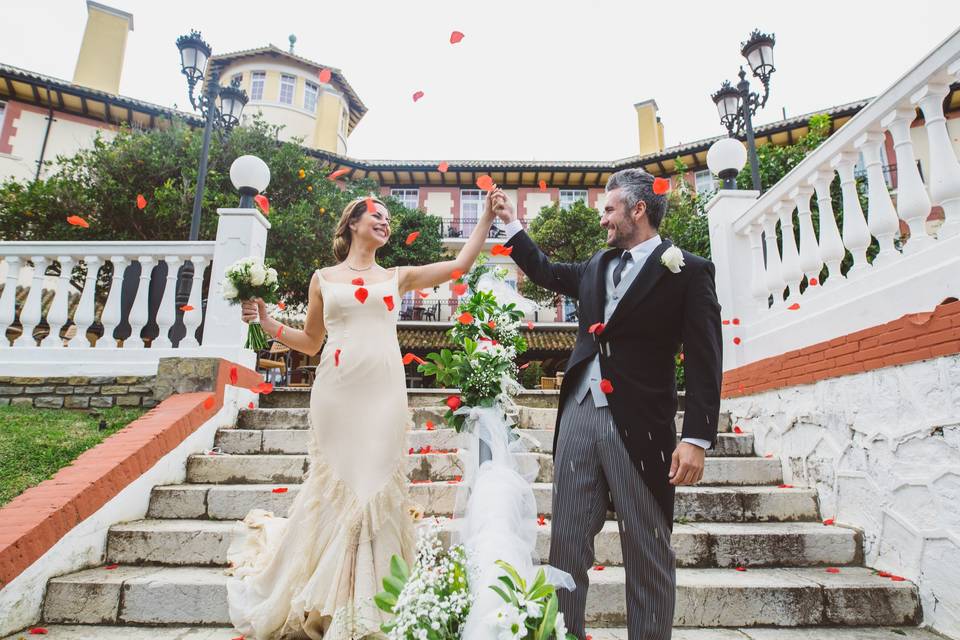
(639, 253)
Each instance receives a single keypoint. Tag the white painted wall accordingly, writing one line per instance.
(86, 544)
(882, 448)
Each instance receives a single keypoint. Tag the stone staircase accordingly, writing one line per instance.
(171, 563)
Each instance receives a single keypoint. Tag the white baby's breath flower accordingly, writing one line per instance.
(672, 259)
(561, 627)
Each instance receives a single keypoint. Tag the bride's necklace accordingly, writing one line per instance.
(364, 269)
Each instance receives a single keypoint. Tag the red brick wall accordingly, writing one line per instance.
(916, 336)
(39, 517)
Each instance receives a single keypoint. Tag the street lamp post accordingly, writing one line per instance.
(737, 105)
(194, 55)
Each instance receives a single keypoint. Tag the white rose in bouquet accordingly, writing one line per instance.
(258, 274)
(249, 279)
(271, 276)
(229, 291)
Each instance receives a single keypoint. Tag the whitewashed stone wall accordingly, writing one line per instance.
(882, 449)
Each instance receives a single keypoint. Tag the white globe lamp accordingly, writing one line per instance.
(725, 159)
(250, 176)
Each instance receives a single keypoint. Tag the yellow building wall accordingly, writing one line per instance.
(439, 203)
(325, 133)
(534, 202)
(102, 49)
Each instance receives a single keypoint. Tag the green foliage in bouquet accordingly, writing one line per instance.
(534, 609)
(488, 335)
(247, 279)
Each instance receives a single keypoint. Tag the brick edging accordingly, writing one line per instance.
(910, 338)
(33, 522)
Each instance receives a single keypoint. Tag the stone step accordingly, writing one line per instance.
(705, 597)
(261, 468)
(693, 504)
(300, 397)
(297, 418)
(254, 441)
(116, 632)
(205, 543)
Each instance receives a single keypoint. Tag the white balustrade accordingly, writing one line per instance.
(831, 245)
(882, 217)
(126, 300)
(872, 291)
(944, 179)
(913, 203)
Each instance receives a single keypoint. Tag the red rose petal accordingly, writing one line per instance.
(833, 570)
(456, 274)
(336, 358)
(530, 325)
(263, 203)
(459, 289)
(453, 402)
(736, 321)
(282, 305)
(209, 402)
(541, 521)
(597, 328)
(794, 306)
(186, 308)
(141, 202)
(443, 166)
(324, 75)
(251, 406)
(77, 221)
(492, 324)
(411, 238)
(736, 341)
(741, 568)
(828, 522)
(785, 486)
(465, 318)
(543, 185)
(410, 357)
(265, 388)
(280, 490)
(339, 172)
(38, 631)
(599, 567)
(410, 451)
(234, 375)
(357, 282)
(388, 300)
(897, 578)
(606, 386)
(422, 294)
(111, 567)
(456, 37)
(417, 95)
(361, 294)
(430, 425)
(371, 205)
(661, 186)
(814, 282)
(769, 455)
(500, 250)
(884, 574)
(737, 429)
(524, 366)
(485, 183)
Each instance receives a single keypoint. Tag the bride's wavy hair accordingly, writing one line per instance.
(343, 237)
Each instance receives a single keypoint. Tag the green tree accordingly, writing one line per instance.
(101, 184)
(685, 223)
(566, 235)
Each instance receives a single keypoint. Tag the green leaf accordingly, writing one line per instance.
(506, 566)
(549, 621)
(393, 585)
(385, 601)
(500, 592)
(399, 569)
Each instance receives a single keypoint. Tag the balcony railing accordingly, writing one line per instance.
(790, 294)
(439, 308)
(462, 228)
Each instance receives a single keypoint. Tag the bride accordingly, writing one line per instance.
(314, 573)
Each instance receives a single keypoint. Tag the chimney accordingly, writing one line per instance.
(649, 127)
(101, 53)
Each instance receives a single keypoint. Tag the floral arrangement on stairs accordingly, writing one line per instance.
(486, 586)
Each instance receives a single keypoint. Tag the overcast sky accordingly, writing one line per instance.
(545, 80)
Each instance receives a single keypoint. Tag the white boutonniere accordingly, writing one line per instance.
(672, 259)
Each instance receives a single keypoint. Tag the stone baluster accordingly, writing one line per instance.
(8, 299)
(192, 319)
(792, 272)
(85, 314)
(110, 317)
(856, 235)
(758, 282)
(57, 316)
(140, 311)
(831, 246)
(882, 217)
(943, 172)
(810, 260)
(913, 203)
(167, 313)
(31, 313)
(774, 269)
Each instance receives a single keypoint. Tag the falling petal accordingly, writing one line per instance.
(442, 167)
(543, 185)
(388, 300)
(263, 203)
(736, 341)
(417, 95)
(336, 358)
(361, 294)
(456, 274)
(423, 294)
(282, 305)
(371, 206)
(141, 202)
(606, 386)
(456, 37)
(411, 238)
(485, 183)
(280, 490)
(459, 289)
(324, 76)
(814, 282)
(357, 281)
(465, 318)
(339, 172)
(77, 221)
(794, 306)
(597, 328)
(209, 402)
(186, 308)
(661, 186)
(530, 325)
(234, 375)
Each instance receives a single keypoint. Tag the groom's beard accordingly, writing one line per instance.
(621, 235)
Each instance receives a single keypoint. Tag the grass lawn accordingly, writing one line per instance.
(36, 443)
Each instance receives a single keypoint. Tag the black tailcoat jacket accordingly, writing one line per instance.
(659, 312)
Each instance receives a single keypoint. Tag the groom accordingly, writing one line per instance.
(615, 439)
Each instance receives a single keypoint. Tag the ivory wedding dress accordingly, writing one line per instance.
(314, 573)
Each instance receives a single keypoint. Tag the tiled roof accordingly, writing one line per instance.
(430, 339)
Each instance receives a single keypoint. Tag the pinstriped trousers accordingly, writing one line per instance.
(591, 469)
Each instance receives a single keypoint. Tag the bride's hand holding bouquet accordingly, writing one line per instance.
(250, 283)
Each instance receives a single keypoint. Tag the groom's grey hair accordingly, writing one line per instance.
(636, 185)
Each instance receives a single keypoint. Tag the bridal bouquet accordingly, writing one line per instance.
(246, 279)
(488, 331)
(529, 613)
